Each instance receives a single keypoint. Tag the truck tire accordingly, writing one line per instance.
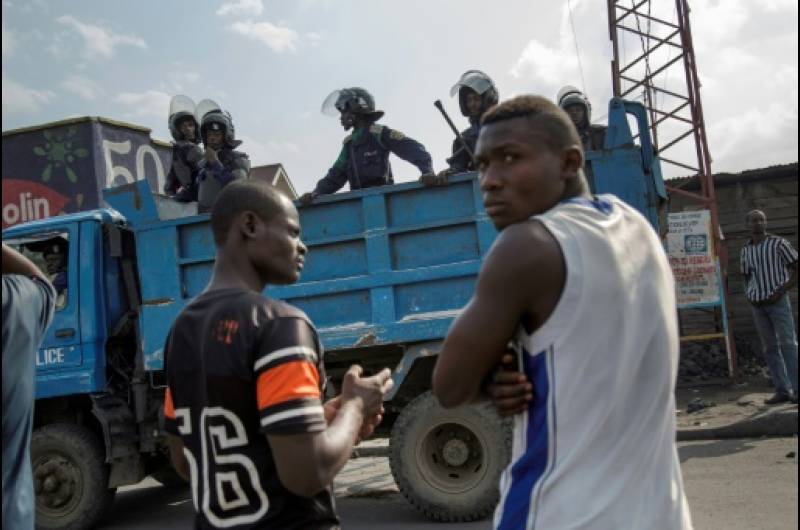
(70, 477)
(447, 463)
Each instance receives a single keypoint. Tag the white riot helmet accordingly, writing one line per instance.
(479, 82)
(212, 118)
(569, 95)
(180, 108)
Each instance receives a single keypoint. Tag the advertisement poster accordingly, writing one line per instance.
(692, 257)
(62, 167)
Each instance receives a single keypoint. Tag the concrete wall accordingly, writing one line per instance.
(773, 190)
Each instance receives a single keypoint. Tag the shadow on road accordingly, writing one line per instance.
(714, 449)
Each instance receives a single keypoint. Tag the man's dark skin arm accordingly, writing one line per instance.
(16, 263)
(308, 463)
(507, 294)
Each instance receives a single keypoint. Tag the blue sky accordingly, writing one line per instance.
(271, 64)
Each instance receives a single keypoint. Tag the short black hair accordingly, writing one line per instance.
(552, 123)
(239, 196)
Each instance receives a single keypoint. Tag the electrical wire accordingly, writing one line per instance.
(577, 49)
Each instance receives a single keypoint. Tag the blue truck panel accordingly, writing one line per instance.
(385, 265)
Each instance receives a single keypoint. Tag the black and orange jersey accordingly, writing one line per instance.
(241, 366)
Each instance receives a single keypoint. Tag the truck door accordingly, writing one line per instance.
(55, 252)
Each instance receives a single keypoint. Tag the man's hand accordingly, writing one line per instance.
(308, 198)
(509, 390)
(777, 295)
(367, 427)
(16, 263)
(211, 155)
(432, 179)
(369, 391)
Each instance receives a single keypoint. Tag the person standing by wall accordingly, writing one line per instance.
(28, 302)
(769, 267)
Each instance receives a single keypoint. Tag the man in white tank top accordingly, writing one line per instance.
(582, 288)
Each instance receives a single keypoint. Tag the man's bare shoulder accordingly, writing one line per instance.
(521, 246)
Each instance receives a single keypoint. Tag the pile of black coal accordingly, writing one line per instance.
(705, 361)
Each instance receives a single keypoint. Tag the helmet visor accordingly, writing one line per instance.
(181, 105)
(477, 81)
(334, 103)
(570, 91)
(204, 107)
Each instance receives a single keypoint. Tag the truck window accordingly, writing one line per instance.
(50, 253)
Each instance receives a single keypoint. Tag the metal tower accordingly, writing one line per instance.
(654, 60)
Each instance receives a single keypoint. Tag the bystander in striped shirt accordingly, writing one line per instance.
(765, 266)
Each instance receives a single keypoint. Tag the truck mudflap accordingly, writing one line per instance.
(120, 439)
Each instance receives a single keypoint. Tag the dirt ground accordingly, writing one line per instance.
(723, 403)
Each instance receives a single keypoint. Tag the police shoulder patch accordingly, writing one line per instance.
(396, 135)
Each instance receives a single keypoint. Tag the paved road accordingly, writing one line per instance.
(731, 484)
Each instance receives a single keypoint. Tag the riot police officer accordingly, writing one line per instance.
(181, 183)
(364, 159)
(577, 105)
(476, 93)
(221, 163)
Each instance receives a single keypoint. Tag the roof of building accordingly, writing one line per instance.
(276, 175)
(731, 179)
(82, 119)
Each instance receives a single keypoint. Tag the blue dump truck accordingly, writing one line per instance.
(387, 271)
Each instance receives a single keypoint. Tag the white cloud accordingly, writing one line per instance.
(100, 41)
(17, 98)
(180, 80)
(241, 8)
(9, 42)
(313, 38)
(153, 103)
(267, 152)
(718, 22)
(547, 65)
(550, 65)
(82, 86)
(277, 38)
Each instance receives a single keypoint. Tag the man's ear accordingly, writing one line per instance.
(247, 223)
(572, 162)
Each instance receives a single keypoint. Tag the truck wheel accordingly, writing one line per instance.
(70, 477)
(447, 463)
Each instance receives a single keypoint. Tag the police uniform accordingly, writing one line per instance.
(364, 159)
(212, 177)
(186, 157)
(477, 82)
(231, 165)
(461, 160)
(592, 136)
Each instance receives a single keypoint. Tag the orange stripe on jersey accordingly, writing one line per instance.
(169, 407)
(290, 380)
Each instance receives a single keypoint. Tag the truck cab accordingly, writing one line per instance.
(86, 438)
